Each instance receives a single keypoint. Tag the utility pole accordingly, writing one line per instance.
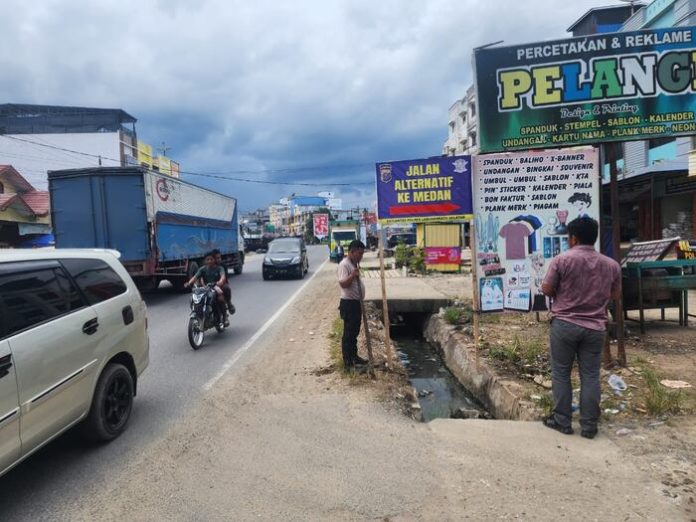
(163, 149)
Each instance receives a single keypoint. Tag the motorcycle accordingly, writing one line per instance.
(204, 315)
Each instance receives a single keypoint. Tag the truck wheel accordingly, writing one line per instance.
(112, 404)
(238, 269)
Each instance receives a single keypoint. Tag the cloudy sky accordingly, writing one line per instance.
(308, 91)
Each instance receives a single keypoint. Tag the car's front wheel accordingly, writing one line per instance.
(112, 404)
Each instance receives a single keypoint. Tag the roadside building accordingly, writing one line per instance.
(39, 138)
(462, 126)
(301, 208)
(24, 211)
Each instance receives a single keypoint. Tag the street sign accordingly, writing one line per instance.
(321, 225)
(423, 190)
(588, 90)
(524, 202)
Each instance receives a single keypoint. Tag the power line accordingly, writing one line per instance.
(220, 175)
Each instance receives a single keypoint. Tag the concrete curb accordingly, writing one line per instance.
(503, 398)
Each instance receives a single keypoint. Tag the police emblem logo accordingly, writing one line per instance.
(460, 165)
(385, 172)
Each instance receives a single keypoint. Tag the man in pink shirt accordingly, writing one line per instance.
(581, 282)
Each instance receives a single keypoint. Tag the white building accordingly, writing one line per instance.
(38, 138)
(462, 137)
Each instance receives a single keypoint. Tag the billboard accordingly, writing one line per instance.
(418, 191)
(588, 90)
(321, 225)
(144, 154)
(442, 255)
(524, 203)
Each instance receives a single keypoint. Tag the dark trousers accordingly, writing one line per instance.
(228, 292)
(351, 313)
(569, 341)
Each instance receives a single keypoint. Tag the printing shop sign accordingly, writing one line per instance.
(523, 203)
(589, 90)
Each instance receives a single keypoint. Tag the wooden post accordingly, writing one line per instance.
(368, 339)
(385, 304)
(616, 247)
(475, 289)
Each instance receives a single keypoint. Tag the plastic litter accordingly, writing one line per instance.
(677, 385)
(617, 383)
(623, 431)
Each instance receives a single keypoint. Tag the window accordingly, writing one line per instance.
(95, 278)
(30, 298)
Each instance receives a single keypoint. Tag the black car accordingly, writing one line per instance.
(408, 238)
(285, 257)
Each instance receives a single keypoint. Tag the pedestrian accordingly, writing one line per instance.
(580, 283)
(352, 293)
(226, 289)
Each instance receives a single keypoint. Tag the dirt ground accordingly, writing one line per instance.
(283, 436)
(663, 445)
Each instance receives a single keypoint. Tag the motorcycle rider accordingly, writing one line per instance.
(212, 274)
(227, 290)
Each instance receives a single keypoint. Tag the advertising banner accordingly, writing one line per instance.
(589, 90)
(144, 154)
(443, 255)
(321, 225)
(418, 191)
(524, 203)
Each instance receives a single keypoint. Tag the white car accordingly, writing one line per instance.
(73, 342)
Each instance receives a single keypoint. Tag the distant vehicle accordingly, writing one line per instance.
(285, 257)
(407, 238)
(162, 226)
(341, 234)
(73, 344)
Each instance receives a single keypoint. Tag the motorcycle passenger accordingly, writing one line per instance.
(212, 274)
(226, 289)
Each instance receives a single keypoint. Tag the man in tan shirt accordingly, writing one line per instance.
(352, 293)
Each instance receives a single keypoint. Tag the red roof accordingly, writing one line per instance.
(6, 200)
(37, 201)
(9, 173)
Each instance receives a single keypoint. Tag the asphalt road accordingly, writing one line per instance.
(67, 470)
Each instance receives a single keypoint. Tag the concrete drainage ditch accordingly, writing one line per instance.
(439, 393)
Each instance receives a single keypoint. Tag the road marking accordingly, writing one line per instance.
(238, 354)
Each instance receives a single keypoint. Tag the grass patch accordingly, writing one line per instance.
(335, 336)
(453, 315)
(658, 399)
(546, 404)
(519, 352)
(491, 318)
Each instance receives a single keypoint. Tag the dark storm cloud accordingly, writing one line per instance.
(233, 85)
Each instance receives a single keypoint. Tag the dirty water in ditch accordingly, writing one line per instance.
(440, 394)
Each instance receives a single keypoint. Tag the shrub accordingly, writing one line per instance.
(401, 254)
(417, 261)
(453, 315)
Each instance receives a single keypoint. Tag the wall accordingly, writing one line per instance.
(34, 161)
